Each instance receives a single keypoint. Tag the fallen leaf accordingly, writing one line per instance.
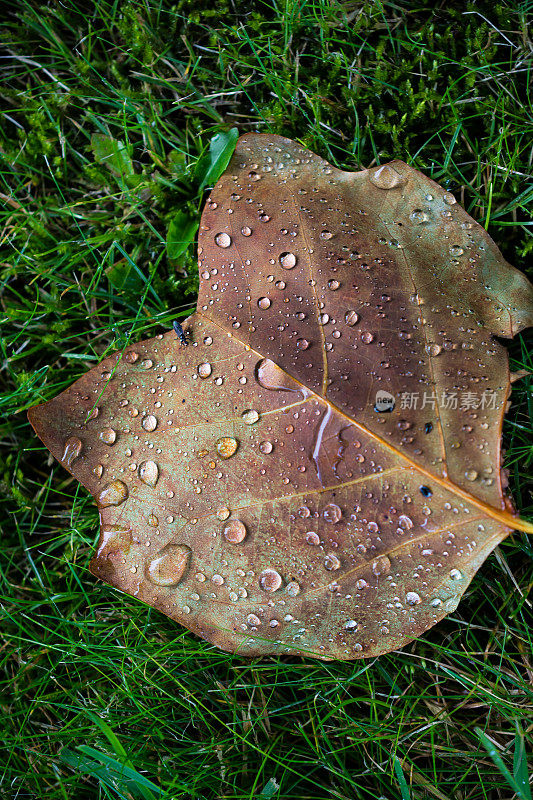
(256, 485)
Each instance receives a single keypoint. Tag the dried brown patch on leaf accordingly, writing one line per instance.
(255, 485)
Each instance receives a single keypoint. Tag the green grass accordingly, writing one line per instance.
(108, 111)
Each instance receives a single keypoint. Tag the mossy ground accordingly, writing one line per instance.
(102, 697)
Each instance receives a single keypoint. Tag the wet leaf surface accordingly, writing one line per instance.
(256, 485)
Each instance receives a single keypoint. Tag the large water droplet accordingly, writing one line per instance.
(419, 216)
(471, 474)
(412, 598)
(270, 376)
(250, 416)
(266, 447)
(205, 369)
(456, 574)
(351, 318)
(108, 436)
(113, 538)
(113, 494)
(331, 562)
(72, 450)
(264, 302)
(270, 580)
(149, 472)
(312, 538)
(332, 513)
(253, 620)
(149, 423)
(223, 239)
(170, 565)
(287, 260)
(381, 565)
(405, 522)
(385, 177)
(246, 231)
(226, 446)
(235, 531)
(456, 250)
(293, 588)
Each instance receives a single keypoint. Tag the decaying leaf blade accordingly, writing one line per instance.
(255, 486)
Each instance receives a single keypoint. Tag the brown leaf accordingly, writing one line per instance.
(249, 485)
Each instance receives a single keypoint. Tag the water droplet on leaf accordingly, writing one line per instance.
(149, 472)
(113, 494)
(169, 566)
(226, 446)
(223, 239)
(235, 531)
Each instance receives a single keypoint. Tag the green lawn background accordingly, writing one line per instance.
(108, 111)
